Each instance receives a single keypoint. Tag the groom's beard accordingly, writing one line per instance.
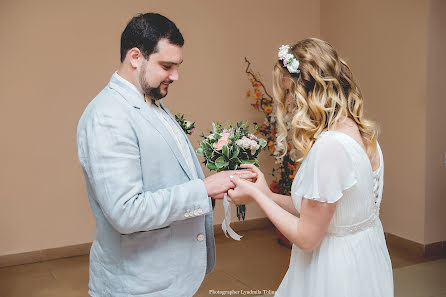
(151, 92)
(155, 93)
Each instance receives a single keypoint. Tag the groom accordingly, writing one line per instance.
(154, 226)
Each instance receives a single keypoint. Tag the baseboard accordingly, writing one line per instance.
(260, 223)
(45, 255)
(437, 249)
(84, 249)
(416, 249)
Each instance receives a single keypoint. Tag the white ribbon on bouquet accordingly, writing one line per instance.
(227, 220)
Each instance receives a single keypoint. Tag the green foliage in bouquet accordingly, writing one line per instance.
(226, 148)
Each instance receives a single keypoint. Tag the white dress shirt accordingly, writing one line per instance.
(177, 134)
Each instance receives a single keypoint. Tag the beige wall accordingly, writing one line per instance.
(435, 228)
(385, 43)
(57, 55)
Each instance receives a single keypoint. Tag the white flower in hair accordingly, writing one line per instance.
(288, 59)
(283, 50)
(293, 67)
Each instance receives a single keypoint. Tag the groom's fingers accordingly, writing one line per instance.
(219, 196)
(247, 177)
(245, 174)
(229, 195)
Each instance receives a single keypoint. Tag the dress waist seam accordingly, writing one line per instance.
(353, 229)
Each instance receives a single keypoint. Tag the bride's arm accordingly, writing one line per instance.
(282, 200)
(285, 202)
(307, 231)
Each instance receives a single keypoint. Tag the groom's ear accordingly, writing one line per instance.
(135, 57)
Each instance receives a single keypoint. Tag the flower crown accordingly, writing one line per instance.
(288, 59)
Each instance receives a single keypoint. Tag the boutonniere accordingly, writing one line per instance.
(188, 127)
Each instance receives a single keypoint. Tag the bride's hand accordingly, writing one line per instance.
(244, 191)
(260, 183)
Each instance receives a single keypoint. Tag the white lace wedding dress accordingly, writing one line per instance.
(352, 260)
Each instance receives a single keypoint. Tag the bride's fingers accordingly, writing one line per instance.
(235, 179)
(253, 168)
(238, 182)
(248, 166)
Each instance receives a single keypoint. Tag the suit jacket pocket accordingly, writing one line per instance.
(147, 260)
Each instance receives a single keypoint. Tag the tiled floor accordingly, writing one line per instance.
(421, 280)
(255, 264)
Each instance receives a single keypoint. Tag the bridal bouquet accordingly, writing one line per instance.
(226, 148)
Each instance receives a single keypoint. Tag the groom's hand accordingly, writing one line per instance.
(219, 183)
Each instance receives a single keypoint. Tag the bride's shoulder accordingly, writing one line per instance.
(328, 138)
(329, 144)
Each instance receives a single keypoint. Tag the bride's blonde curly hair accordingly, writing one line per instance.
(324, 92)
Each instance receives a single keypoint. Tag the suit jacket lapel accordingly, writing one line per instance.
(191, 149)
(150, 116)
(131, 94)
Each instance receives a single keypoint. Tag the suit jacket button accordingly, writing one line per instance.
(200, 237)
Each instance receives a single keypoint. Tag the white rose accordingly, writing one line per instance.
(288, 58)
(246, 142)
(253, 143)
(243, 142)
(293, 66)
(283, 50)
(254, 146)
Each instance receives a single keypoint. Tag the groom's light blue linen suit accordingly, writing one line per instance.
(154, 225)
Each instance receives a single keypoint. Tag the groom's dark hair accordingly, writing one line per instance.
(145, 30)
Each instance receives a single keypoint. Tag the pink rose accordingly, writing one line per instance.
(224, 139)
(252, 137)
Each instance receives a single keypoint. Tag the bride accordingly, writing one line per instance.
(332, 216)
